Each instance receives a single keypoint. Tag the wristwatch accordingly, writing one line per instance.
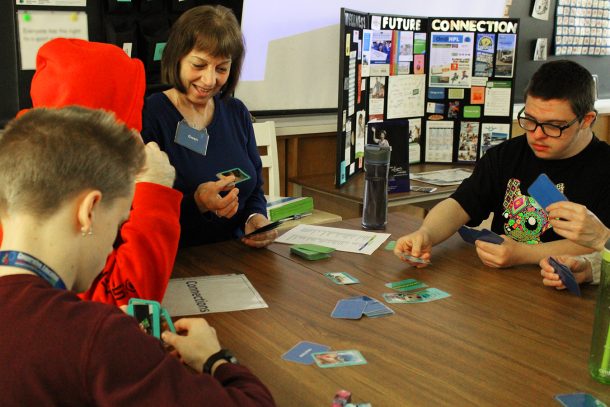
(220, 355)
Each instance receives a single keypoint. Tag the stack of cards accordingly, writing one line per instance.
(426, 295)
(311, 251)
(413, 259)
(307, 353)
(471, 235)
(566, 276)
(341, 278)
(408, 295)
(406, 285)
(355, 307)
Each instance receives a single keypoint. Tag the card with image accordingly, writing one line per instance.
(339, 358)
(341, 278)
(406, 285)
(240, 175)
(425, 295)
(413, 259)
(302, 352)
(579, 400)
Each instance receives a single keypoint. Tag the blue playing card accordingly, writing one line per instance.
(377, 309)
(545, 192)
(349, 309)
(301, 352)
(579, 400)
(471, 235)
(490, 237)
(566, 276)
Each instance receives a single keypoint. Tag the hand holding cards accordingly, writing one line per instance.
(264, 229)
(566, 276)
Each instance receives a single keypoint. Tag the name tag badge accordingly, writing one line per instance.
(193, 139)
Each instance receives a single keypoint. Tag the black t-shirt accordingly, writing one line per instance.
(502, 176)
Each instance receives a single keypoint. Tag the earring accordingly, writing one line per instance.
(84, 232)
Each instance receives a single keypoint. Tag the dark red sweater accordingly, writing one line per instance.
(59, 350)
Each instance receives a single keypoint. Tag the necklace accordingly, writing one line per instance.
(31, 263)
(196, 120)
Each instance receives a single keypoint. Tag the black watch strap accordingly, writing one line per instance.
(223, 354)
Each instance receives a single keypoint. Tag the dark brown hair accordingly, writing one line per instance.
(50, 155)
(211, 29)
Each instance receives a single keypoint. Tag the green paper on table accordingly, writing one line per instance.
(391, 245)
(406, 285)
(311, 251)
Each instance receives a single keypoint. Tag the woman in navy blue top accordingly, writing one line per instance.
(205, 131)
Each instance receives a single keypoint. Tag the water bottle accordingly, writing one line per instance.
(376, 167)
(599, 357)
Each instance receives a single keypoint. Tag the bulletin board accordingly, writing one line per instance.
(139, 27)
(436, 89)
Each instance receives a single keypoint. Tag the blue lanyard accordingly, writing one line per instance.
(30, 263)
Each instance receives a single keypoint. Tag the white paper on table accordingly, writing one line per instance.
(209, 294)
(344, 240)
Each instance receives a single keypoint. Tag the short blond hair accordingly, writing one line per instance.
(50, 155)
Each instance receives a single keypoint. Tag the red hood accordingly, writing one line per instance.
(90, 74)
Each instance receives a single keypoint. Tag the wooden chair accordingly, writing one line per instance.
(265, 137)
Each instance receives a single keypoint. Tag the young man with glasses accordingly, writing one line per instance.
(557, 118)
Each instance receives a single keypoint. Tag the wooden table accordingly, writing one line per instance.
(347, 200)
(501, 339)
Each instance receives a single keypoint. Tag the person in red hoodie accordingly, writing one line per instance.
(102, 76)
(66, 183)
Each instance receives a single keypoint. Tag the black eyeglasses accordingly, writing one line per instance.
(551, 130)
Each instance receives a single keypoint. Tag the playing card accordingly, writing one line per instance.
(566, 276)
(349, 309)
(489, 236)
(315, 248)
(302, 351)
(545, 192)
(412, 259)
(406, 285)
(579, 400)
(471, 235)
(339, 358)
(341, 278)
(376, 309)
(468, 235)
(239, 174)
(308, 254)
(425, 295)
(391, 245)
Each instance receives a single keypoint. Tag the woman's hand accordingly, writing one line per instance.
(262, 239)
(208, 199)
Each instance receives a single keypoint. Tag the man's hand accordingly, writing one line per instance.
(157, 169)
(416, 244)
(195, 343)
(580, 267)
(575, 222)
(499, 255)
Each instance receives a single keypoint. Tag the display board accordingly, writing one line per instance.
(139, 27)
(530, 30)
(435, 89)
